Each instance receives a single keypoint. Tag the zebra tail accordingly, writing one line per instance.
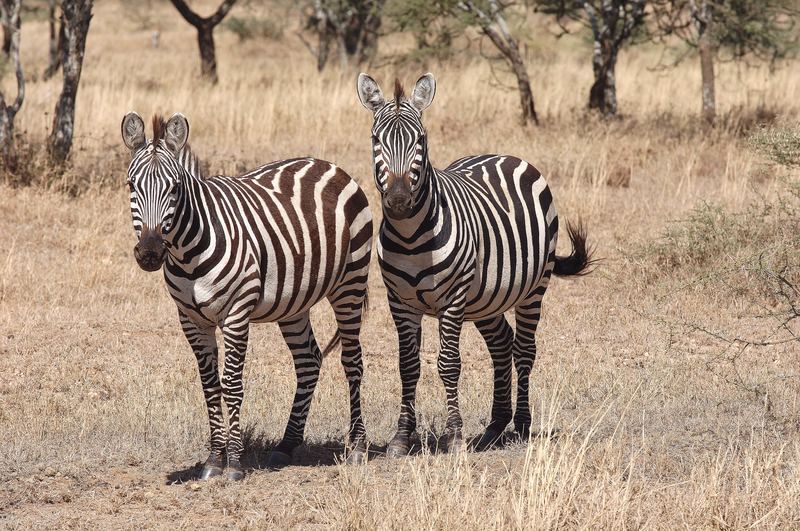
(336, 340)
(580, 260)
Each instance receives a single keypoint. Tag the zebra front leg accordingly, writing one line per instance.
(204, 346)
(409, 334)
(527, 317)
(235, 332)
(348, 310)
(499, 337)
(307, 361)
(449, 365)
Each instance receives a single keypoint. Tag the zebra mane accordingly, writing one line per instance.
(187, 158)
(159, 128)
(399, 94)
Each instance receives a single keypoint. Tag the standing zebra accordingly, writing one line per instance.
(261, 247)
(466, 243)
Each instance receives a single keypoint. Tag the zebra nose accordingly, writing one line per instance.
(150, 253)
(398, 204)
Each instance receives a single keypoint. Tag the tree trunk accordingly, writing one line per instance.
(10, 16)
(495, 27)
(603, 93)
(6, 40)
(56, 43)
(7, 152)
(76, 15)
(524, 87)
(705, 47)
(368, 46)
(324, 47)
(205, 34)
(208, 53)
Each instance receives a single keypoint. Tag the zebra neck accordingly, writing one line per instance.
(192, 219)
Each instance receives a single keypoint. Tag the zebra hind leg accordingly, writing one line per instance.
(499, 337)
(204, 346)
(307, 361)
(527, 317)
(348, 307)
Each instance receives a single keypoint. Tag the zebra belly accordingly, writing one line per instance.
(208, 300)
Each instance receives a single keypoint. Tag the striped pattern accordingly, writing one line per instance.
(477, 240)
(261, 247)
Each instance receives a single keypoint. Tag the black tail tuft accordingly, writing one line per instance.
(336, 340)
(580, 259)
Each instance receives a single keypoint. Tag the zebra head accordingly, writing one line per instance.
(154, 177)
(399, 143)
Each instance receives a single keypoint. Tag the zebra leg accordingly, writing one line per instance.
(235, 331)
(307, 361)
(348, 310)
(204, 346)
(409, 334)
(527, 317)
(499, 337)
(449, 365)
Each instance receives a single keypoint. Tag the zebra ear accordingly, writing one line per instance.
(424, 91)
(177, 132)
(369, 93)
(133, 131)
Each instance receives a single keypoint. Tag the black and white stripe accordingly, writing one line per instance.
(261, 247)
(466, 243)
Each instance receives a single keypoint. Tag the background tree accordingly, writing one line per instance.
(613, 23)
(490, 18)
(738, 28)
(205, 34)
(11, 26)
(354, 25)
(75, 17)
(56, 41)
(6, 38)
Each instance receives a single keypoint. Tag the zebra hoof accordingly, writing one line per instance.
(234, 473)
(398, 446)
(523, 431)
(278, 459)
(213, 467)
(490, 438)
(356, 457)
(453, 441)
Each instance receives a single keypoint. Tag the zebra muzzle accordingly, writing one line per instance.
(150, 251)
(398, 204)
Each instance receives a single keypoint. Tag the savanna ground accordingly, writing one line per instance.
(645, 418)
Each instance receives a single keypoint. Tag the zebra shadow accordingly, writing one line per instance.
(257, 448)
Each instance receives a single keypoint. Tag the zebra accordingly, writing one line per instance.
(261, 247)
(466, 243)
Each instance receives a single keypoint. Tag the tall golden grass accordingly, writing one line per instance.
(642, 424)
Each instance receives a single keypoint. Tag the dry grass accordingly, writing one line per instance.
(645, 422)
